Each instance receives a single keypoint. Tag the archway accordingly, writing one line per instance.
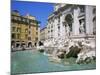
(69, 21)
(12, 43)
(68, 24)
(18, 44)
(30, 44)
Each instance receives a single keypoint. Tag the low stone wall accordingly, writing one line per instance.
(21, 49)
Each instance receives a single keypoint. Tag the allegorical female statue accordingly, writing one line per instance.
(81, 28)
(67, 29)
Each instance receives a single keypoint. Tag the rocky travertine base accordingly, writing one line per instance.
(86, 57)
(82, 50)
(87, 54)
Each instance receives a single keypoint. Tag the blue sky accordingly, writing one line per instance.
(40, 10)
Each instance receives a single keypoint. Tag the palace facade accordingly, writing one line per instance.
(43, 34)
(72, 22)
(25, 30)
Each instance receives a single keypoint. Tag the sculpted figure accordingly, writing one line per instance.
(81, 28)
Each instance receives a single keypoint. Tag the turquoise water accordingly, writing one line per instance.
(34, 62)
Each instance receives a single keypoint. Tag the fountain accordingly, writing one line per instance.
(58, 49)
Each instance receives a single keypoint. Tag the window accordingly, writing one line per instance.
(36, 28)
(26, 30)
(15, 17)
(29, 38)
(26, 36)
(13, 28)
(29, 32)
(13, 36)
(36, 33)
(18, 29)
(18, 36)
(36, 39)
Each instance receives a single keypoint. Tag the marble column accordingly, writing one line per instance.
(88, 21)
(55, 28)
(62, 27)
(76, 24)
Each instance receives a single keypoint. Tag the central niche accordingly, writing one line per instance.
(69, 21)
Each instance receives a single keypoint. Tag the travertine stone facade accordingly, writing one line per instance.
(72, 21)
